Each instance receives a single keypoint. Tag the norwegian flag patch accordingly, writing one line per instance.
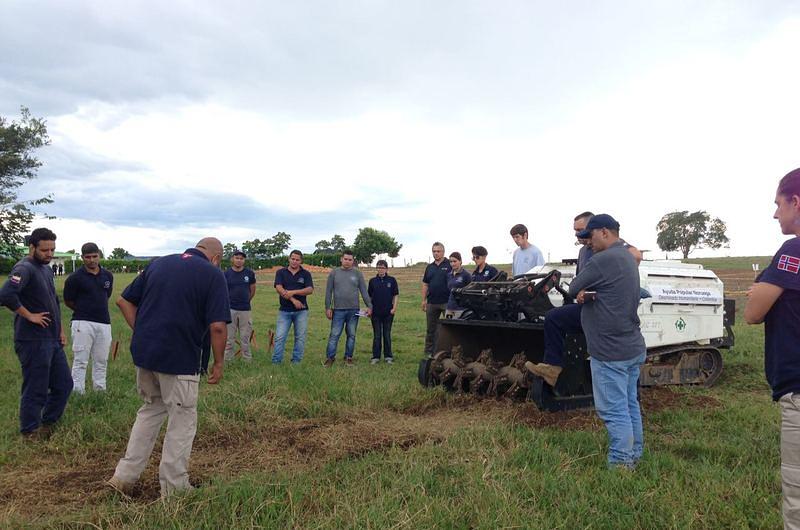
(16, 278)
(186, 255)
(789, 264)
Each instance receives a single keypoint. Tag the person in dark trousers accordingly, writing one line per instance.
(30, 292)
(775, 300)
(434, 294)
(483, 271)
(86, 292)
(384, 293)
(170, 306)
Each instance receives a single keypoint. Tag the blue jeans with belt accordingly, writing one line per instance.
(46, 383)
(615, 389)
(347, 319)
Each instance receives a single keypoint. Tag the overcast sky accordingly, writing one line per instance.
(449, 120)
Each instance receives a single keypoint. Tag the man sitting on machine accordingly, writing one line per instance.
(560, 321)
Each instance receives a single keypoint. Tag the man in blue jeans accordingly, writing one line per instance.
(293, 284)
(608, 288)
(341, 306)
(30, 292)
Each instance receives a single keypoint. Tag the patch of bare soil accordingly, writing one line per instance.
(56, 482)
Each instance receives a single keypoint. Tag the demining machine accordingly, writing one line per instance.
(685, 321)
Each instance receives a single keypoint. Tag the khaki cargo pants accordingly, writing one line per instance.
(173, 397)
(790, 459)
(241, 321)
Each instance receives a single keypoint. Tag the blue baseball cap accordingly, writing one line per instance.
(602, 220)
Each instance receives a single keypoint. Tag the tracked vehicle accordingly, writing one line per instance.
(685, 321)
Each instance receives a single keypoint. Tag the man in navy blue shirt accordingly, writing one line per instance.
(170, 306)
(775, 300)
(86, 292)
(384, 293)
(293, 284)
(30, 292)
(241, 290)
(435, 294)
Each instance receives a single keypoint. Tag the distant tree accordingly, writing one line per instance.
(277, 244)
(686, 232)
(228, 249)
(323, 245)
(18, 140)
(71, 251)
(255, 248)
(370, 242)
(119, 253)
(337, 243)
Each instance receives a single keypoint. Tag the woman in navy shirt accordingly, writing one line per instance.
(457, 278)
(775, 300)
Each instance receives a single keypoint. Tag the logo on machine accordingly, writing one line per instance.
(680, 324)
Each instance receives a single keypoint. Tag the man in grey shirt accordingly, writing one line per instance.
(608, 287)
(344, 285)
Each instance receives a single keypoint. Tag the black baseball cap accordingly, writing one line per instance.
(602, 220)
(240, 253)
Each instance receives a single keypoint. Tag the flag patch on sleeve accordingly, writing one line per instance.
(789, 264)
(16, 278)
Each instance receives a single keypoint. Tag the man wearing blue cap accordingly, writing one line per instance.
(608, 287)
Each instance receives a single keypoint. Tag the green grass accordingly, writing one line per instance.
(367, 447)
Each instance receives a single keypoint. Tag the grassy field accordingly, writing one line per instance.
(367, 447)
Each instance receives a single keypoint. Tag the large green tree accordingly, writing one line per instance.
(271, 247)
(228, 249)
(118, 253)
(370, 242)
(337, 243)
(18, 164)
(686, 232)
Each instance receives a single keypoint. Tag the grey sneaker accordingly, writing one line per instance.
(374, 361)
(389, 360)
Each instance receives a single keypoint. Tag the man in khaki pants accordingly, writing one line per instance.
(170, 307)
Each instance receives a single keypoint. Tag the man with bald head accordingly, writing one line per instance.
(170, 306)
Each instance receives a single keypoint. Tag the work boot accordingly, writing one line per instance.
(125, 488)
(548, 372)
(348, 361)
(328, 362)
(42, 434)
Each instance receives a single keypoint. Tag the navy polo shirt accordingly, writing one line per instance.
(239, 287)
(90, 293)
(32, 286)
(456, 281)
(381, 291)
(485, 275)
(782, 322)
(436, 278)
(177, 298)
(293, 282)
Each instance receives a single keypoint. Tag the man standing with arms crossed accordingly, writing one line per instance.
(86, 292)
(241, 290)
(344, 285)
(608, 288)
(435, 294)
(170, 306)
(30, 292)
(527, 256)
(293, 284)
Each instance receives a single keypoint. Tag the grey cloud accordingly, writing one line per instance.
(336, 58)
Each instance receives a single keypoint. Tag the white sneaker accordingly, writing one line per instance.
(374, 361)
(389, 360)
